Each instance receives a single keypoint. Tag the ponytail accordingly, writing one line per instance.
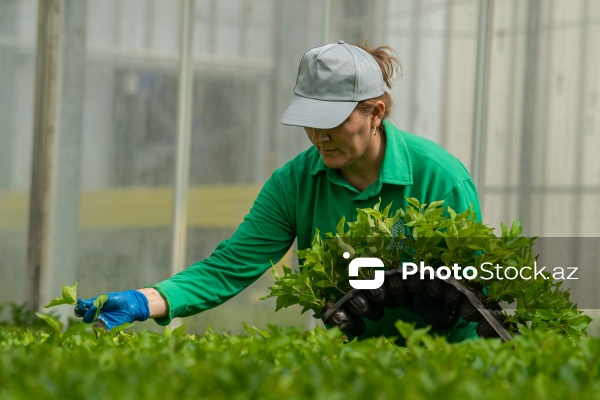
(391, 67)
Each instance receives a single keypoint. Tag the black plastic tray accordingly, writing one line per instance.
(347, 313)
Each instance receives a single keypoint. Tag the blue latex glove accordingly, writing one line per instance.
(119, 308)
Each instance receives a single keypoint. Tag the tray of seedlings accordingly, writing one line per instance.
(348, 312)
(433, 235)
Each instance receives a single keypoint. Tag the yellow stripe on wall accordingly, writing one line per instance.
(13, 210)
(141, 207)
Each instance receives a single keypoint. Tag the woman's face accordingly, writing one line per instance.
(351, 146)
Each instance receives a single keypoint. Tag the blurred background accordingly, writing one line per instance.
(96, 95)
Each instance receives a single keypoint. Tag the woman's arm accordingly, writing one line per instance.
(156, 303)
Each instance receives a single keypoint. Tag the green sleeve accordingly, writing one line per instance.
(463, 196)
(263, 238)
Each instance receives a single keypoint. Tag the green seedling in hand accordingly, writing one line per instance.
(99, 302)
(69, 296)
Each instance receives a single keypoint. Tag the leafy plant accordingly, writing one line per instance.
(288, 363)
(323, 275)
(20, 315)
(435, 235)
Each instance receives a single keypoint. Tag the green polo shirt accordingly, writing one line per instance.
(304, 195)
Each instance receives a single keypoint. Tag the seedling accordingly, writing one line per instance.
(69, 296)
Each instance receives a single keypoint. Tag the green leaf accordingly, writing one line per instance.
(265, 334)
(406, 329)
(167, 334)
(99, 302)
(69, 293)
(515, 229)
(514, 293)
(547, 314)
(580, 323)
(435, 204)
(56, 302)
(69, 296)
(414, 202)
(120, 328)
(180, 330)
(340, 226)
(79, 331)
(54, 323)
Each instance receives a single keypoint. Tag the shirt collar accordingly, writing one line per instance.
(396, 168)
(319, 165)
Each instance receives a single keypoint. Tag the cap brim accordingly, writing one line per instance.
(319, 114)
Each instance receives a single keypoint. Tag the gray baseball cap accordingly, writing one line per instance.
(332, 79)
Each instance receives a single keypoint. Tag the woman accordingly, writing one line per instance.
(358, 159)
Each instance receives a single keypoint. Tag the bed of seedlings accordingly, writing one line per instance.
(82, 362)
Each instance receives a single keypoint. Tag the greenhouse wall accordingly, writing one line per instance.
(509, 87)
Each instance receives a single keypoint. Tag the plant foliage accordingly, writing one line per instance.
(287, 363)
(435, 235)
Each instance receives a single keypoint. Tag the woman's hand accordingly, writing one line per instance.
(119, 308)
